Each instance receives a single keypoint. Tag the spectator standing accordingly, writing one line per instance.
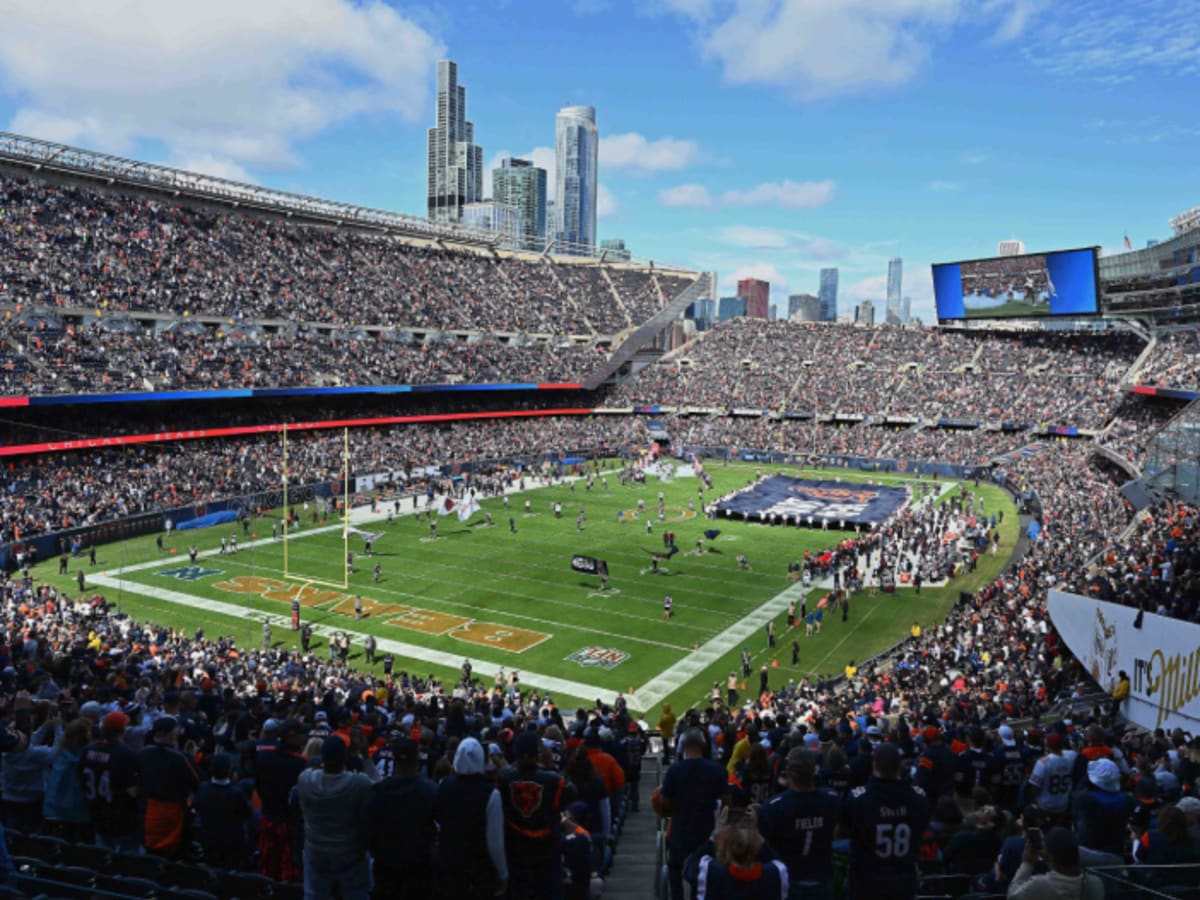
(1065, 878)
(277, 768)
(691, 791)
(533, 800)
(401, 828)
(65, 807)
(108, 770)
(166, 780)
(223, 808)
(470, 819)
(798, 825)
(333, 803)
(885, 819)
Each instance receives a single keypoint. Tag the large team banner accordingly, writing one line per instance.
(1162, 658)
(796, 501)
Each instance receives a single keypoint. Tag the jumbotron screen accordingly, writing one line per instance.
(1062, 283)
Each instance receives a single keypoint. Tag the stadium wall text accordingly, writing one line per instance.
(1162, 658)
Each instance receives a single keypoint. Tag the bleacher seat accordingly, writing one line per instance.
(246, 886)
(189, 877)
(87, 855)
(129, 887)
(133, 865)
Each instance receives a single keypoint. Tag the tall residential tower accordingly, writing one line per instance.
(455, 161)
(576, 146)
(522, 185)
(894, 314)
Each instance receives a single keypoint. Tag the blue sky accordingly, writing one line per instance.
(754, 137)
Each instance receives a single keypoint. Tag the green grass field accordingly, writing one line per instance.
(512, 600)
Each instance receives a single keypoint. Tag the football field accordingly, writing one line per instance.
(510, 598)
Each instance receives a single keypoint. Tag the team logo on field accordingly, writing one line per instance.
(190, 573)
(604, 657)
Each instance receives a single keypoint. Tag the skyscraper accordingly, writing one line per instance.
(522, 185)
(864, 314)
(758, 297)
(576, 146)
(828, 295)
(894, 297)
(730, 308)
(455, 162)
(804, 308)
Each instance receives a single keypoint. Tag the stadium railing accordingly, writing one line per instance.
(1139, 882)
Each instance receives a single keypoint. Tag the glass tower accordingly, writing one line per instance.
(455, 161)
(576, 147)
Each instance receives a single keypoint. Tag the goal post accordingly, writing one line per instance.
(294, 558)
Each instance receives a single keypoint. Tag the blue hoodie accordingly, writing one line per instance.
(64, 800)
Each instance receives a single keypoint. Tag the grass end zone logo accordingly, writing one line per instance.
(604, 657)
(190, 573)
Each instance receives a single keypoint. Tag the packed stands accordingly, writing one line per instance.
(1024, 378)
(1174, 362)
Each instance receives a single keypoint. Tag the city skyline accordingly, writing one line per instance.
(337, 104)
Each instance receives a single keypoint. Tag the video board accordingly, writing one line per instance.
(1061, 283)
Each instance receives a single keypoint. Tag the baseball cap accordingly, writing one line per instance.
(270, 725)
(811, 739)
(90, 709)
(164, 725)
(115, 721)
(1006, 736)
(931, 733)
(873, 731)
(1054, 741)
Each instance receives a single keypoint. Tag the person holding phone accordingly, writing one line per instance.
(1065, 879)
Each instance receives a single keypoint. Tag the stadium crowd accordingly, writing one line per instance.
(46, 493)
(1172, 364)
(79, 359)
(79, 247)
(1026, 378)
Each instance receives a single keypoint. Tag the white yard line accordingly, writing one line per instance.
(650, 694)
(409, 651)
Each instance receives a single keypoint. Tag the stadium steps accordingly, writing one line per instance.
(635, 865)
(1130, 378)
(579, 307)
(617, 295)
(649, 331)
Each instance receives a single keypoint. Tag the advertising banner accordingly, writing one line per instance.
(1162, 658)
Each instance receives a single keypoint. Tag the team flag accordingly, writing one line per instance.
(446, 506)
(467, 509)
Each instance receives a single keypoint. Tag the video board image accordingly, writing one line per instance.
(1062, 283)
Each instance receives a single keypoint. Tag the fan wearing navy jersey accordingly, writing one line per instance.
(692, 790)
(108, 769)
(167, 779)
(798, 826)
(975, 766)
(935, 767)
(277, 768)
(884, 819)
(533, 800)
(1012, 761)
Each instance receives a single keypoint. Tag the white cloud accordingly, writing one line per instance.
(685, 195)
(1015, 16)
(748, 236)
(873, 288)
(207, 164)
(634, 152)
(606, 202)
(764, 271)
(819, 49)
(785, 194)
(974, 158)
(224, 83)
(943, 186)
